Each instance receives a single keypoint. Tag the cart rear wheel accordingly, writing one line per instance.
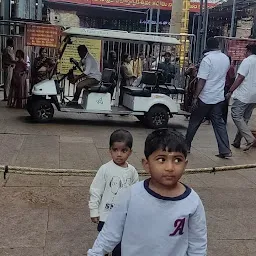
(42, 111)
(157, 117)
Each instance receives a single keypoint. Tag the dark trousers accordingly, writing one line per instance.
(225, 107)
(215, 113)
(117, 250)
(225, 111)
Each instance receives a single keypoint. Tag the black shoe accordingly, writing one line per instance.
(249, 145)
(72, 104)
(224, 156)
(235, 145)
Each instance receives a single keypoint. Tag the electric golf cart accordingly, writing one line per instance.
(152, 101)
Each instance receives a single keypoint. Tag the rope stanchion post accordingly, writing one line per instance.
(6, 170)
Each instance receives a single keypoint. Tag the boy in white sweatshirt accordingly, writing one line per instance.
(111, 179)
(159, 216)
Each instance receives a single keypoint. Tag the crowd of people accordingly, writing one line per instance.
(212, 86)
(18, 73)
(130, 70)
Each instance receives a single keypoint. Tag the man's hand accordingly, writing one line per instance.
(95, 220)
(73, 79)
(194, 105)
(228, 95)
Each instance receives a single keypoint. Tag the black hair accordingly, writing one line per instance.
(212, 43)
(82, 48)
(125, 56)
(166, 140)
(41, 50)
(9, 42)
(21, 53)
(121, 135)
(251, 48)
(167, 54)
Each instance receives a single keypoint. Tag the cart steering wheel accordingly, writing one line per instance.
(76, 64)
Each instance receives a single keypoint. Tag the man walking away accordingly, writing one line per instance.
(209, 97)
(8, 61)
(244, 89)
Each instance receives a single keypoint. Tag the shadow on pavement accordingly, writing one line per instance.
(98, 122)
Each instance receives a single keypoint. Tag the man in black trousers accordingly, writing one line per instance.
(209, 97)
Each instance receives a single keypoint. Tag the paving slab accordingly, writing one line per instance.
(39, 151)
(228, 179)
(22, 252)
(19, 180)
(23, 227)
(249, 174)
(61, 197)
(231, 248)
(65, 220)
(230, 224)
(76, 181)
(70, 243)
(227, 198)
(79, 156)
(10, 145)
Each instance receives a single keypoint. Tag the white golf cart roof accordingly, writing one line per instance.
(119, 35)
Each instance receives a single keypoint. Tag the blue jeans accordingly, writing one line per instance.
(215, 114)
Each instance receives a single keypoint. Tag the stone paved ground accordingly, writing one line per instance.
(48, 216)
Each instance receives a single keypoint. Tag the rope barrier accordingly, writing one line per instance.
(91, 173)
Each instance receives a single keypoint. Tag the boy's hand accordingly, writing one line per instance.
(95, 220)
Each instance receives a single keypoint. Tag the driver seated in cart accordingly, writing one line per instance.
(90, 77)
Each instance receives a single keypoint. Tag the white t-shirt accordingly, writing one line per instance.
(109, 181)
(91, 67)
(150, 224)
(213, 69)
(246, 92)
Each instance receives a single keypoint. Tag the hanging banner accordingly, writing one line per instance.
(146, 4)
(42, 35)
(93, 46)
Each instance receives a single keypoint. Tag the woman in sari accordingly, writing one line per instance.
(43, 66)
(18, 90)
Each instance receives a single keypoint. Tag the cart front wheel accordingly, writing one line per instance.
(157, 117)
(42, 111)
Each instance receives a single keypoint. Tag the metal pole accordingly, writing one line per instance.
(199, 27)
(150, 20)
(193, 24)
(157, 20)
(39, 10)
(204, 30)
(206, 26)
(6, 14)
(232, 30)
(147, 21)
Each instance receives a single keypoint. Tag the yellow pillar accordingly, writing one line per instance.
(179, 25)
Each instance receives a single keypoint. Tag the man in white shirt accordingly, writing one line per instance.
(244, 94)
(209, 97)
(91, 73)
